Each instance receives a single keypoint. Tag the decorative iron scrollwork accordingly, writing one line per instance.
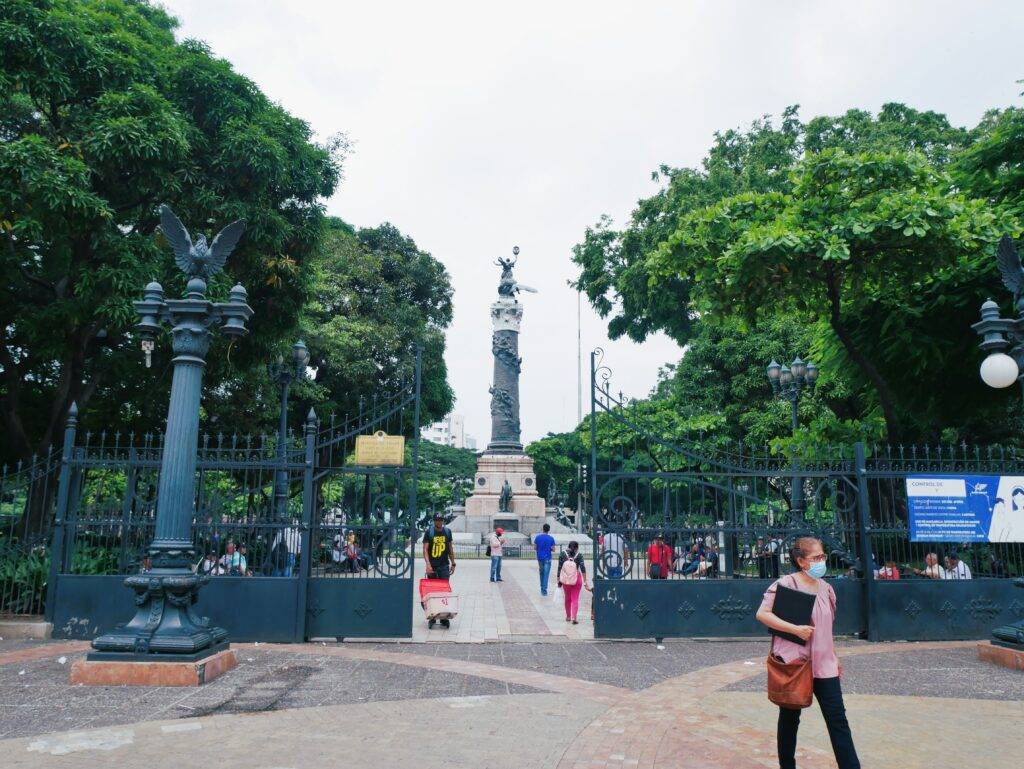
(621, 512)
(686, 609)
(394, 562)
(983, 608)
(731, 609)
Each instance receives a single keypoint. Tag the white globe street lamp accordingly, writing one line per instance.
(999, 370)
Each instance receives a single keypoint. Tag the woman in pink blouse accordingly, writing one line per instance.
(809, 556)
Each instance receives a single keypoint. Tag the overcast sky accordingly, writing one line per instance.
(479, 126)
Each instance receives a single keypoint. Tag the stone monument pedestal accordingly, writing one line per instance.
(527, 509)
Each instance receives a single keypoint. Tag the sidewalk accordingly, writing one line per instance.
(525, 706)
(511, 610)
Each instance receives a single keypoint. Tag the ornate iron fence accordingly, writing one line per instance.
(277, 532)
(27, 495)
(727, 516)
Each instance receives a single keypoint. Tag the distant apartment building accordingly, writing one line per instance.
(450, 431)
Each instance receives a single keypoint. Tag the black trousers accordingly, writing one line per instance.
(830, 699)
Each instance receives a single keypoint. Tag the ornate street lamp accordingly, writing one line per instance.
(1000, 370)
(791, 383)
(164, 625)
(283, 374)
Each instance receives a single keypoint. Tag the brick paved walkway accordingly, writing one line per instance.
(551, 706)
(511, 610)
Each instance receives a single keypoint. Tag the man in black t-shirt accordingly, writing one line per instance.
(438, 553)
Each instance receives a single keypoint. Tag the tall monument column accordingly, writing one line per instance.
(506, 315)
(505, 486)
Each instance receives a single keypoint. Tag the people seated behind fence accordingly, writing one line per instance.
(659, 558)
(767, 554)
(889, 571)
(146, 565)
(691, 561)
(244, 551)
(955, 568)
(932, 569)
(285, 548)
(615, 554)
(346, 553)
(208, 566)
(233, 562)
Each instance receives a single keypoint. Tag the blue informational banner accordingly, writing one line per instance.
(969, 508)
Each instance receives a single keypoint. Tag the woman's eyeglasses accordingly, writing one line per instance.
(817, 558)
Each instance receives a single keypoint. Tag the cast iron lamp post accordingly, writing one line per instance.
(164, 625)
(790, 383)
(1000, 370)
(283, 375)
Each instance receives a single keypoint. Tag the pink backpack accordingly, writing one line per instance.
(569, 574)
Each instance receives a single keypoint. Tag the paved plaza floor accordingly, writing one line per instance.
(512, 609)
(539, 694)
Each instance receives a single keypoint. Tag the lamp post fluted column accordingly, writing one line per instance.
(283, 375)
(164, 625)
(790, 383)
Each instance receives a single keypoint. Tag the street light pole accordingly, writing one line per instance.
(283, 375)
(791, 383)
(1000, 370)
(164, 625)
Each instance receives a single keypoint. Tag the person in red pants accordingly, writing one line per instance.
(572, 575)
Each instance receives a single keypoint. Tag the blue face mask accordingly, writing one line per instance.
(817, 570)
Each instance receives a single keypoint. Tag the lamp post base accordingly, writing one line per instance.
(125, 671)
(164, 624)
(1010, 636)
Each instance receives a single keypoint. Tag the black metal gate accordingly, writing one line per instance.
(730, 515)
(363, 528)
(297, 582)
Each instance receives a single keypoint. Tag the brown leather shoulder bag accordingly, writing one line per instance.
(790, 684)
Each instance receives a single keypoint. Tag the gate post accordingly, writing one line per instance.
(863, 527)
(63, 493)
(414, 490)
(594, 502)
(306, 549)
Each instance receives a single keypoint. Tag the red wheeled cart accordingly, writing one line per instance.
(438, 601)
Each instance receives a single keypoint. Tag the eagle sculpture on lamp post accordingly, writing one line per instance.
(1010, 268)
(199, 260)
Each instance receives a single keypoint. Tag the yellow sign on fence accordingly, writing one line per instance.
(380, 449)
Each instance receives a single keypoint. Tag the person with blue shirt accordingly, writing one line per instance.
(544, 544)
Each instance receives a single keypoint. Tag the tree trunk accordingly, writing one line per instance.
(885, 395)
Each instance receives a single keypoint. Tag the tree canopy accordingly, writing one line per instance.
(874, 233)
(103, 116)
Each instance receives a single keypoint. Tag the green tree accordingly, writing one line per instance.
(556, 459)
(993, 167)
(857, 229)
(103, 116)
(613, 263)
(445, 473)
(614, 269)
(374, 297)
(801, 184)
